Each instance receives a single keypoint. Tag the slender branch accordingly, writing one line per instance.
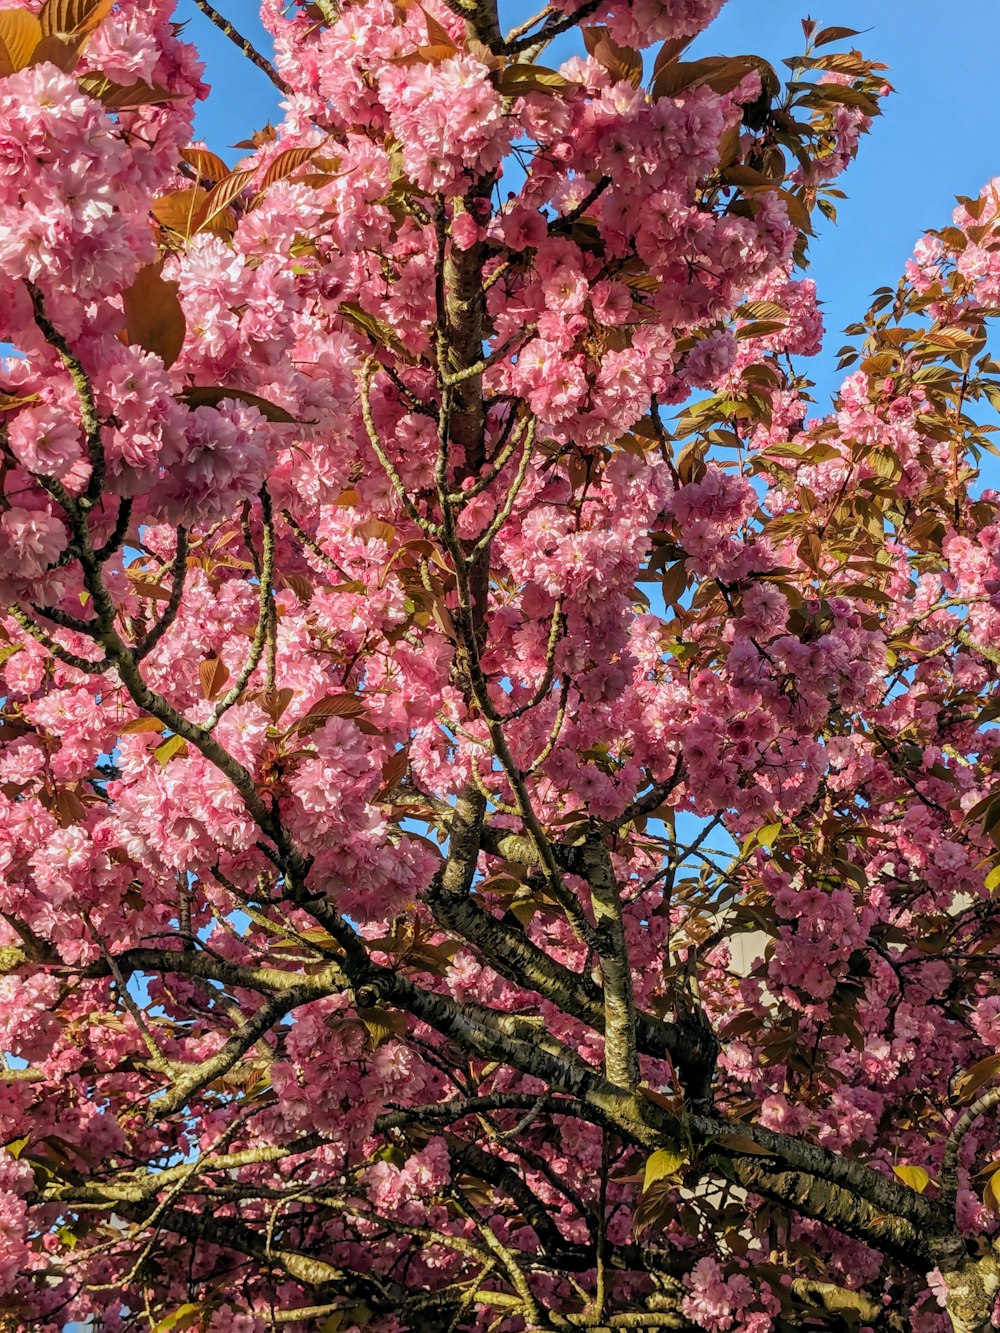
(92, 668)
(488, 478)
(178, 577)
(243, 44)
(552, 740)
(500, 518)
(264, 617)
(312, 545)
(157, 1058)
(536, 42)
(188, 1084)
(118, 532)
(566, 220)
(557, 628)
(399, 486)
(529, 23)
(508, 1261)
(84, 392)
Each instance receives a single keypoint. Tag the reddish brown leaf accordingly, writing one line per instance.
(623, 63)
(210, 395)
(177, 210)
(69, 17)
(221, 196)
(207, 164)
(213, 674)
(274, 702)
(394, 770)
(334, 705)
(63, 52)
(141, 724)
(121, 97)
(285, 163)
(154, 319)
(20, 33)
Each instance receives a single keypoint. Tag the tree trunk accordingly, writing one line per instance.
(972, 1287)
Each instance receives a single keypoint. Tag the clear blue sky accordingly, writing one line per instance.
(939, 136)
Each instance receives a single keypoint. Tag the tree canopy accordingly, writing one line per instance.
(499, 803)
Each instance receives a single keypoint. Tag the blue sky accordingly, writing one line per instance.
(939, 136)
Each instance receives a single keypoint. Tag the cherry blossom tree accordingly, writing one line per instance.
(499, 790)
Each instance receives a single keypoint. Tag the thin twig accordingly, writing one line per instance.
(265, 613)
(243, 44)
(178, 577)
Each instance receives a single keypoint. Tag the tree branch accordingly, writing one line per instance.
(243, 44)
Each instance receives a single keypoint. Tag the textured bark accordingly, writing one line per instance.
(972, 1284)
(616, 968)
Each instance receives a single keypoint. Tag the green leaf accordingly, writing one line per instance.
(172, 745)
(518, 79)
(185, 1316)
(17, 1146)
(376, 329)
(765, 837)
(992, 879)
(663, 1164)
(914, 1176)
(382, 1024)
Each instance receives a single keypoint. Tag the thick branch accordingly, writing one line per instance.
(620, 1061)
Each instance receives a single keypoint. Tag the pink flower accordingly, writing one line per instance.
(448, 118)
(45, 440)
(709, 359)
(30, 541)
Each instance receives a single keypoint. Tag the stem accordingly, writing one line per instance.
(243, 44)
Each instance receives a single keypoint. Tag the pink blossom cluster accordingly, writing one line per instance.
(241, 698)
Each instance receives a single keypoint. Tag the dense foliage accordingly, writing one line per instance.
(498, 794)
